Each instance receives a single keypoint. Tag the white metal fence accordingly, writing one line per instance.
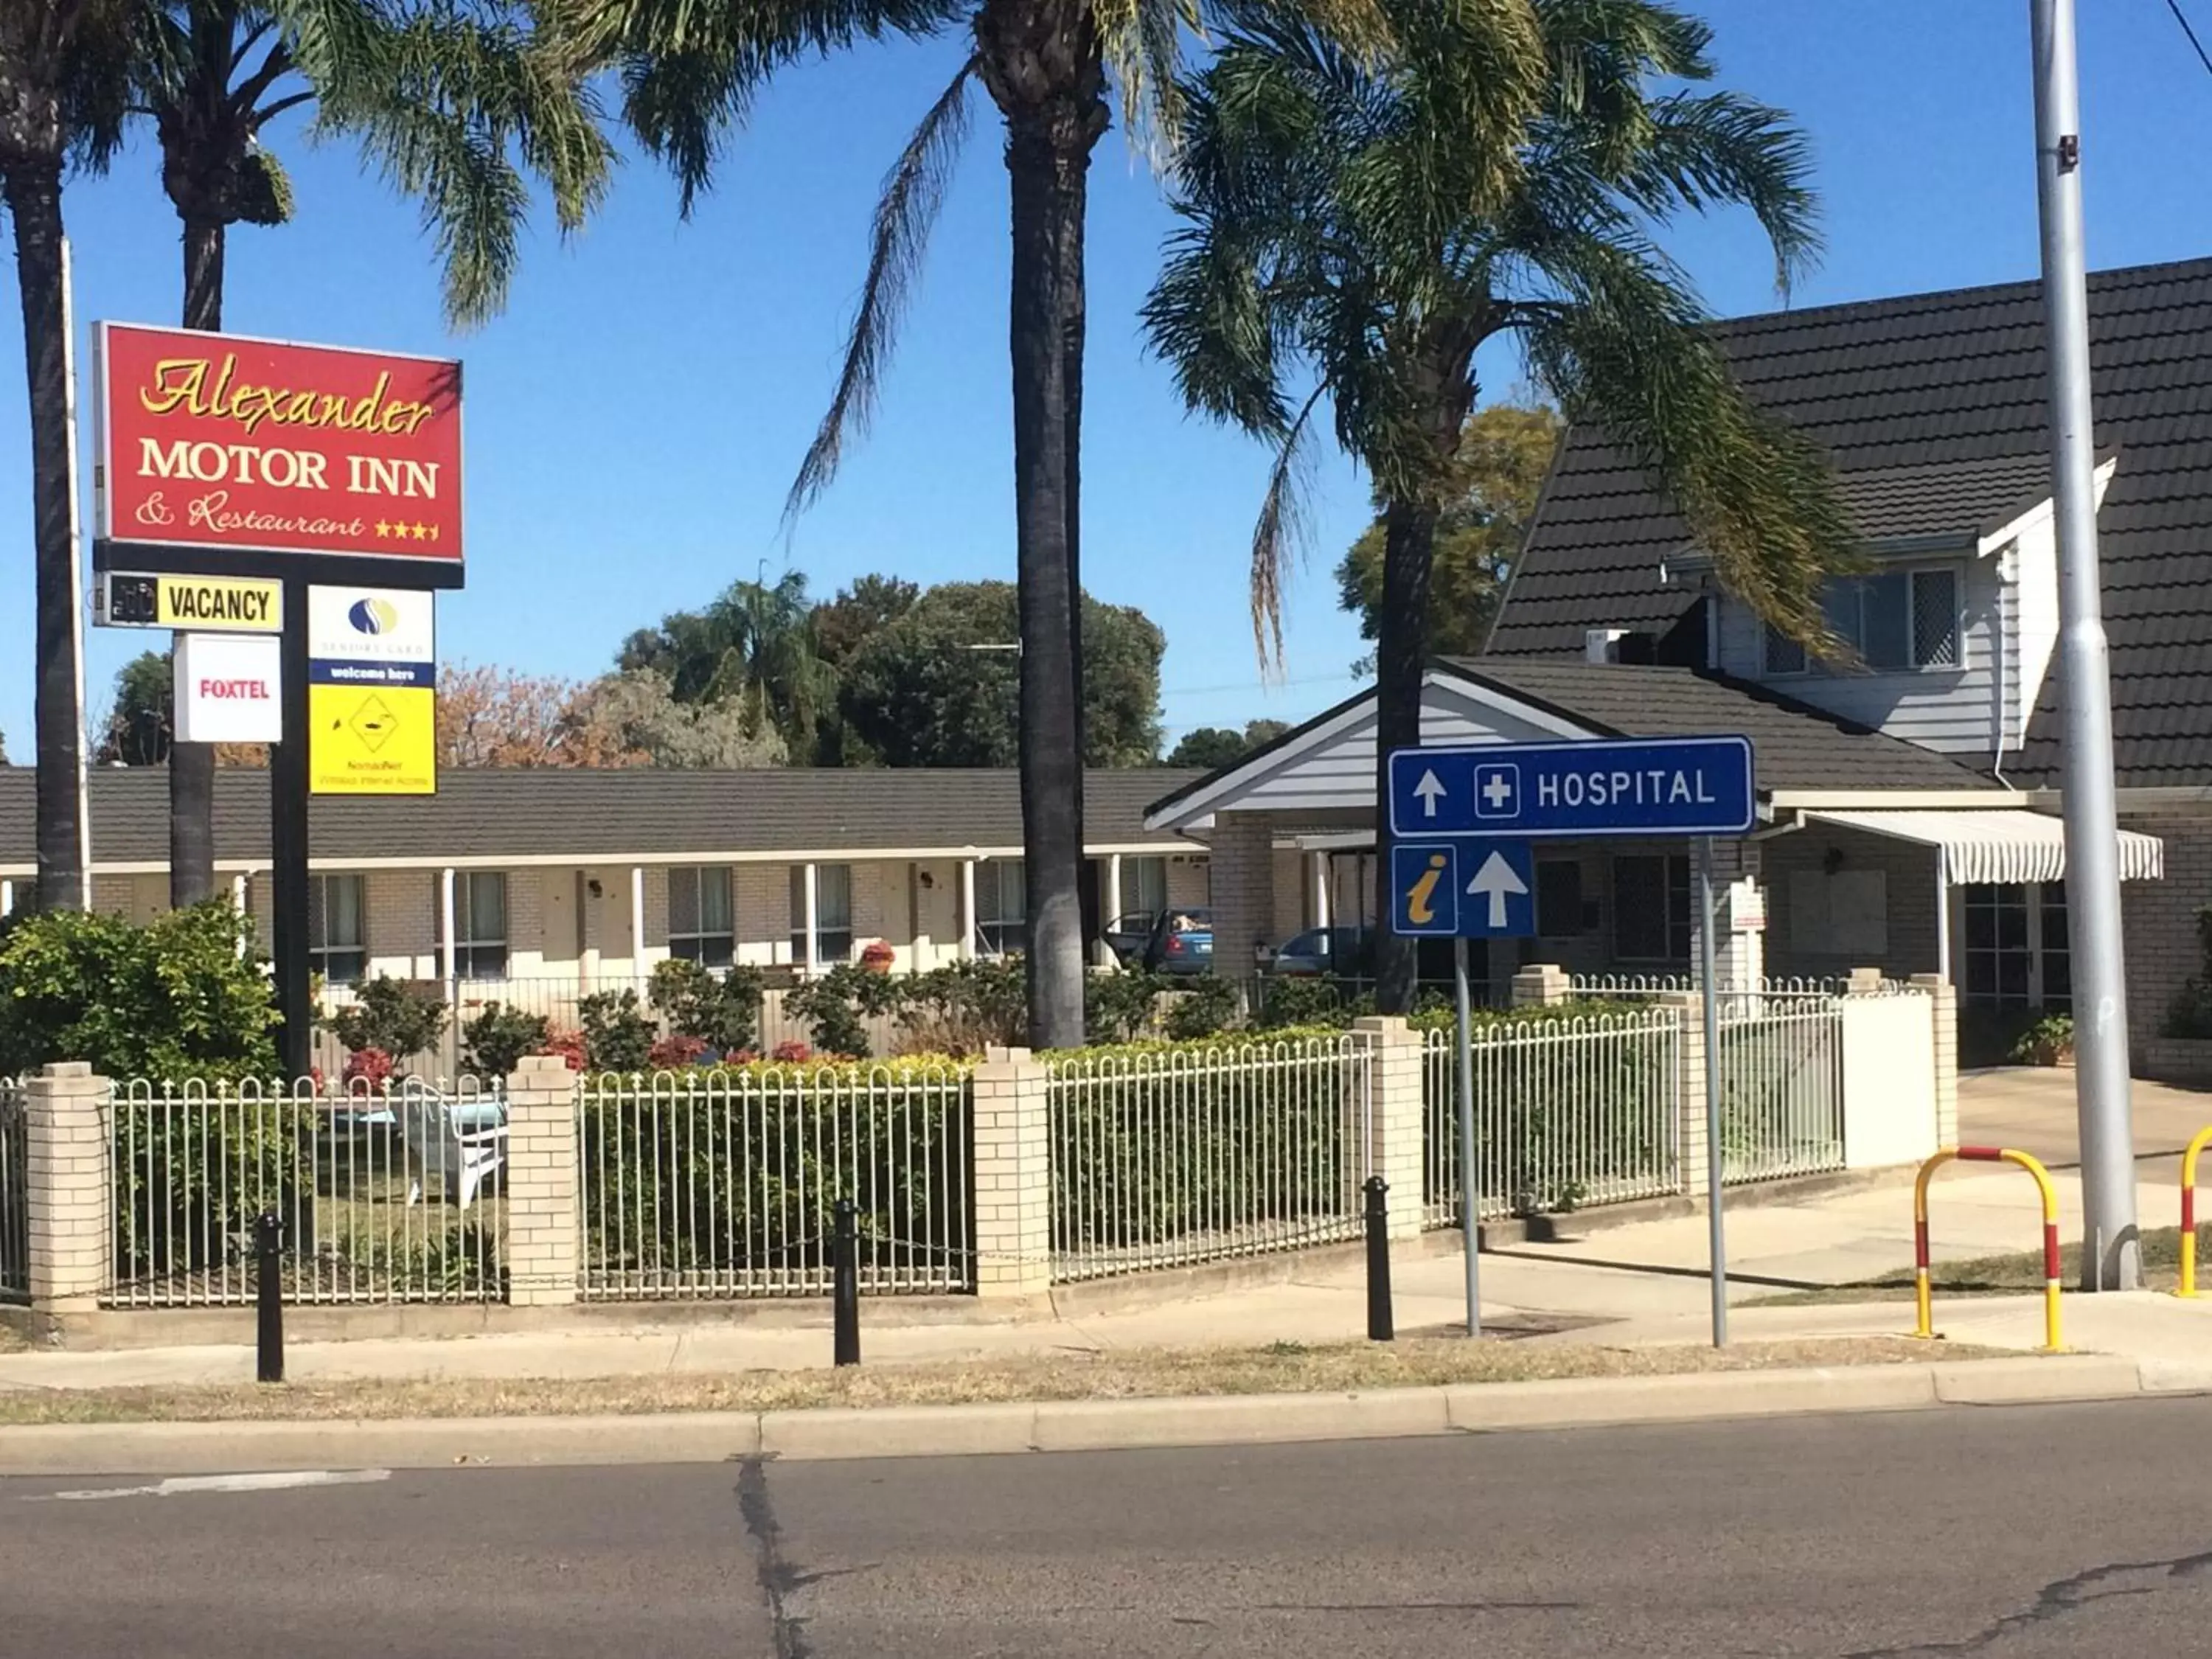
(721, 1184)
(1782, 1091)
(1568, 1112)
(15, 1199)
(1770, 995)
(390, 1195)
(1162, 1159)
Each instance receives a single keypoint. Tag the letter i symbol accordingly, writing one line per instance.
(1418, 910)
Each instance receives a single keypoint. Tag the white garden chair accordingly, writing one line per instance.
(459, 1144)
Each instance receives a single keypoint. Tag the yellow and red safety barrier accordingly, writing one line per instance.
(2189, 1211)
(1921, 1292)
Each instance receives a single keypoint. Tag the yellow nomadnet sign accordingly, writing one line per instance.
(371, 696)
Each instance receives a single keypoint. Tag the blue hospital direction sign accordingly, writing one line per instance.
(1463, 890)
(1599, 787)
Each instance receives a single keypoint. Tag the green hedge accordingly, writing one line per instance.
(1146, 1151)
(737, 1171)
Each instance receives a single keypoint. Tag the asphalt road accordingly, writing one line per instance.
(2013, 1533)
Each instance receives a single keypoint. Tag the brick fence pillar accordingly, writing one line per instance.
(69, 1189)
(1397, 1125)
(1012, 1210)
(1689, 1010)
(540, 1173)
(1541, 985)
(1243, 882)
(1945, 996)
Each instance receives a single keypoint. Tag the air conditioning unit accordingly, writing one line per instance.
(1603, 644)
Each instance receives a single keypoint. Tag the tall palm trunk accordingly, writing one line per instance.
(1042, 62)
(191, 765)
(35, 202)
(1409, 542)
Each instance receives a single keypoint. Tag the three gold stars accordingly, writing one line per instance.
(399, 531)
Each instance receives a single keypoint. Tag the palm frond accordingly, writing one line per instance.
(1720, 150)
(1278, 537)
(905, 214)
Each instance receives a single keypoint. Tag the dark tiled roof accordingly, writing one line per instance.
(1950, 382)
(1959, 498)
(1794, 747)
(550, 814)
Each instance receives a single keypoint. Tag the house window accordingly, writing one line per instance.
(1650, 908)
(1559, 898)
(1144, 887)
(1897, 619)
(479, 924)
(2017, 953)
(1001, 906)
(338, 945)
(702, 916)
(833, 912)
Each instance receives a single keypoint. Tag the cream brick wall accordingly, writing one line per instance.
(1695, 1169)
(1396, 1121)
(1243, 890)
(1011, 1151)
(1909, 882)
(541, 1184)
(68, 1187)
(1190, 879)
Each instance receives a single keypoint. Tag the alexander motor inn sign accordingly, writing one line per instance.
(249, 448)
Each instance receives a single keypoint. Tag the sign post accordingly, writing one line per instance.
(1452, 876)
(245, 460)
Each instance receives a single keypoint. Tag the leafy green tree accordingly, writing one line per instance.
(1502, 171)
(691, 69)
(1503, 455)
(1210, 748)
(931, 690)
(753, 648)
(140, 726)
(445, 98)
(64, 92)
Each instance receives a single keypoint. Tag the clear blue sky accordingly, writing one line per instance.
(635, 418)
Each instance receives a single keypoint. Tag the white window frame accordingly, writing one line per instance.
(832, 944)
(468, 948)
(714, 947)
(995, 880)
(1773, 646)
(320, 951)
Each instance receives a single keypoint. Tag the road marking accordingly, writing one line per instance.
(186, 1486)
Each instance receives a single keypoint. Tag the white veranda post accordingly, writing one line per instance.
(812, 882)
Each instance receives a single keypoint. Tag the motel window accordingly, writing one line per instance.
(1001, 906)
(701, 917)
(1559, 898)
(833, 912)
(1144, 887)
(1650, 908)
(337, 939)
(1897, 619)
(479, 924)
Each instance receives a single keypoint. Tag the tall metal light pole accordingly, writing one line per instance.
(2111, 1258)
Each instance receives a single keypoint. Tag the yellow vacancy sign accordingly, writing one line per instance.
(219, 603)
(367, 739)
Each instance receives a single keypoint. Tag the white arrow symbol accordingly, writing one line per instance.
(1495, 880)
(1431, 793)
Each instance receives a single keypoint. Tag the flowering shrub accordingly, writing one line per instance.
(793, 1053)
(568, 1046)
(368, 1069)
(676, 1053)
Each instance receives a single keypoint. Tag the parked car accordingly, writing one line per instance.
(1320, 951)
(1182, 942)
(1129, 935)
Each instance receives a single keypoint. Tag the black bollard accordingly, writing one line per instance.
(845, 1284)
(1379, 1325)
(268, 1336)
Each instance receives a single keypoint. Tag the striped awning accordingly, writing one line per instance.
(2004, 844)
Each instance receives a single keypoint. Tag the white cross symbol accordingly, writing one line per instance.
(1498, 791)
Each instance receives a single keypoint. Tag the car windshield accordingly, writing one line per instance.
(1190, 921)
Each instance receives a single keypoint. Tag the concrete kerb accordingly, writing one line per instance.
(166, 1449)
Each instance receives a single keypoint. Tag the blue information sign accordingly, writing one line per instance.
(1463, 890)
(1603, 787)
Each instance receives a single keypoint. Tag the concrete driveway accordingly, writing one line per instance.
(2031, 1107)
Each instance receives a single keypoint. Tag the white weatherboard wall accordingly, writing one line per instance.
(1889, 1080)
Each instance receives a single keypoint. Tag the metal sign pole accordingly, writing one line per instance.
(1709, 999)
(288, 842)
(1469, 1188)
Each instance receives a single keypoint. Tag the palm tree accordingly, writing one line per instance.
(440, 97)
(691, 68)
(754, 644)
(61, 102)
(1372, 229)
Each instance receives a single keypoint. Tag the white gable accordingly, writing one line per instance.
(1330, 767)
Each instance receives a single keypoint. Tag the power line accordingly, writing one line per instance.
(2182, 18)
